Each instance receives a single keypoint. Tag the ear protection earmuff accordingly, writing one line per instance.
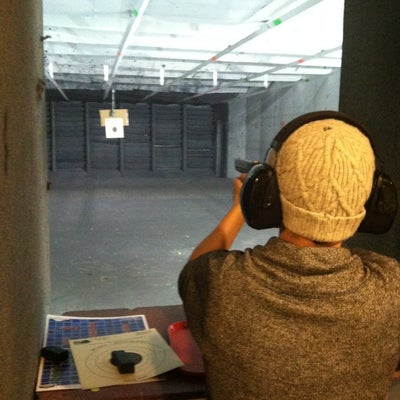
(260, 200)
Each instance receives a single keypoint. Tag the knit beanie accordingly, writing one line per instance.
(325, 171)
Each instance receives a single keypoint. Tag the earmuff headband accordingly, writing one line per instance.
(295, 124)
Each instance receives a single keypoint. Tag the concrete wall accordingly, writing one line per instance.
(23, 207)
(370, 89)
(256, 119)
(237, 131)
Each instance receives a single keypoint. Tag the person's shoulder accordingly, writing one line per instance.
(379, 262)
(212, 260)
(370, 255)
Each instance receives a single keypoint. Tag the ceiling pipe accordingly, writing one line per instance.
(211, 60)
(229, 49)
(57, 86)
(131, 29)
(268, 71)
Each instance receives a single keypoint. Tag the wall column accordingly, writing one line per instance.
(24, 244)
(369, 91)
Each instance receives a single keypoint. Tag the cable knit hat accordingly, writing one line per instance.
(325, 171)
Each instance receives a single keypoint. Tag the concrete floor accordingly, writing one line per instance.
(120, 242)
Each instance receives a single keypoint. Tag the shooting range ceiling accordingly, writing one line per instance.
(194, 48)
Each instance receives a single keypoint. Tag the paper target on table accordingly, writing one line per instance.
(92, 358)
(114, 127)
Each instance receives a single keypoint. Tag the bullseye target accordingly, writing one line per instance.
(93, 358)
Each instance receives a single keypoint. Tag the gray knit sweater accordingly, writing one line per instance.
(281, 322)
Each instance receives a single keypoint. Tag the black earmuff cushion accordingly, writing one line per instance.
(381, 207)
(259, 200)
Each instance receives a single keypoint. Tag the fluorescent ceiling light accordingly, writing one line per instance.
(162, 75)
(215, 77)
(106, 72)
(51, 70)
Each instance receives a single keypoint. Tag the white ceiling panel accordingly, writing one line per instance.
(241, 40)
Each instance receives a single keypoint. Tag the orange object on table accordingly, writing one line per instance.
(184, 345)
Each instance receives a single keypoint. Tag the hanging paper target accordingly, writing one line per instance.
(114, 128)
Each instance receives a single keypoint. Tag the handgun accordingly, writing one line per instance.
(244, 166)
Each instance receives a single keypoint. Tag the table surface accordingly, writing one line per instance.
(176, 384)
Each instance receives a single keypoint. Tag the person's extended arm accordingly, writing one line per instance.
(222, 237)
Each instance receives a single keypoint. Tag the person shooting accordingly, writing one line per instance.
(303, 316)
